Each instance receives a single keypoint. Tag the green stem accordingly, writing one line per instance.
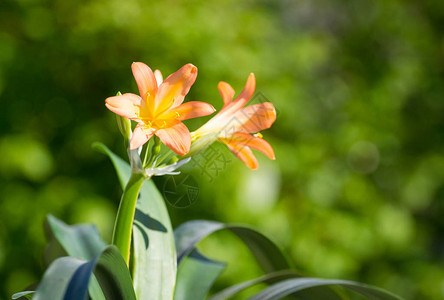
(155, 150)
(125, 215)
(163, 157)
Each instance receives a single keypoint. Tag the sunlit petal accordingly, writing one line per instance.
(146, 81)
(126, 105)
(176, 137)
(243, 97)
(192, 109)
(252, 141)
(174, 88)
(243, 153)
(226, 91)
(140, 136)
(255, 118)
(159, 77)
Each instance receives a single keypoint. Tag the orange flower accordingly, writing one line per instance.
(159, 109)
(234, 124)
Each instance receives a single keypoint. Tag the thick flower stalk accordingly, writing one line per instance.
(159, 109)
(238, 126)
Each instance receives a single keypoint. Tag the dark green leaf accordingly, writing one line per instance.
(56, 278)
(113, 275)
(290, 286)
(268, 255)
(81, 241)
(195, 276)
(68, 278)
(320, 293)
(268, 278)
(154, 270)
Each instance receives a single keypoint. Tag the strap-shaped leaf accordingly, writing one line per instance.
(154, 267)
(268, 255)
(320, 293)
(268, 278)
(57, 278)
(290, 286)
(195, 276)
(68, 277)
(81, 241)
(113, 275)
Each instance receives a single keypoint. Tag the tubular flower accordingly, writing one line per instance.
(235, 124)
(159, 109)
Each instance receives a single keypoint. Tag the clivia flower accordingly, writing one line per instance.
(238, 126)
(159, 110)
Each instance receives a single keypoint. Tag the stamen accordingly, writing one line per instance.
(259, 135)
(178, 115)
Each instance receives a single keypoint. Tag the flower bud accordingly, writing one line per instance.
(173, 160)
(124, 124)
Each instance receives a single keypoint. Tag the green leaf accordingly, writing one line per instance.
(154, 268)
(268, 278)
(290, 286)
(57, 277)
(195, 276)
(26, 294)
(81, 241)
(68, 277)
(268, 255)
(114, 276)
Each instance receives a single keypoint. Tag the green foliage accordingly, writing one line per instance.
(267, 254)
(290, 286)
(71, 277)
(195, 276)
(154, 268)
(78, 241)
(68, 277)
(356, 190)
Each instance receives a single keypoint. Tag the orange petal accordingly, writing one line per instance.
(159, 77)
(244, 154)
(192, 109)
(226, 91)
(126, 105)
(243, 97)
(254, 142)
(176, 137)
(174, 88)
(146, 81)
(255, 118)
(140, 136)
(248, 90)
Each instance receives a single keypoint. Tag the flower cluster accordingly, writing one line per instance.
(159, 111)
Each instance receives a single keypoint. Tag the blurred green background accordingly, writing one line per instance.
(357, 189)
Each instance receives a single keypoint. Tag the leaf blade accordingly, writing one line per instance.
(56, 278)
(81, 241)
(291, 286)
(195, 276)
(268, 255)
